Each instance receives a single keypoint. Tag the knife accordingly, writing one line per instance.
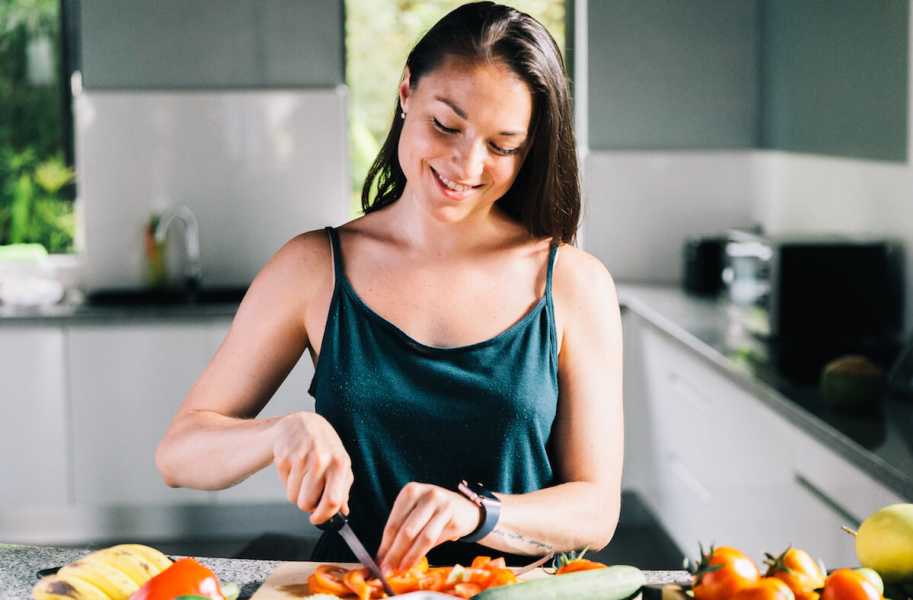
(339, 524)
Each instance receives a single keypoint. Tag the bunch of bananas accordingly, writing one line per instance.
(110, 574)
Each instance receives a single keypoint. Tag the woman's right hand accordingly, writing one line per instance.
(313, 465)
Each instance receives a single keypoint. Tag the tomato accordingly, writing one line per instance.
(185, 577)
(847, 584)
(579, 564)
(797, 569)
(327, 579)
(766, 588)
(501, 577)
(355, 581)
(722, 572)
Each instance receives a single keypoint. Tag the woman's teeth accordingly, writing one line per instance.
(456, 187)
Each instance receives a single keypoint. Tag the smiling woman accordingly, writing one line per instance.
(467, 383)
(371, 75)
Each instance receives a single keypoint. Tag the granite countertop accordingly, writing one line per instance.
(18, 565)
(878, 441)
(81, 312)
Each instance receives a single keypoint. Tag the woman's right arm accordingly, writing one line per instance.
(214, 441)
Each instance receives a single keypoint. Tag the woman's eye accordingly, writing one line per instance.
(504, 151)
(450, 131)
(440, 127)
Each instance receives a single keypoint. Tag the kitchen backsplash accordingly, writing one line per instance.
(256, 167)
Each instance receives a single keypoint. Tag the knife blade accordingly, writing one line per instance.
(340, 525)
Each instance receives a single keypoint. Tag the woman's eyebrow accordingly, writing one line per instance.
(462, 114)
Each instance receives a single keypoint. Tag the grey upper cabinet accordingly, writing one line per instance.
(795, 75)
(835, 77)
(200, 44)
(672, 74)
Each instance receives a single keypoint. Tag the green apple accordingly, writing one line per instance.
(884, 542)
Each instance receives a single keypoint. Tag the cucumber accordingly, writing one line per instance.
(612, 583)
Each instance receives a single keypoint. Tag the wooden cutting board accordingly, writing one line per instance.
(288, 581)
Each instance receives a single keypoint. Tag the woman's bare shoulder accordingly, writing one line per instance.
(582, 278)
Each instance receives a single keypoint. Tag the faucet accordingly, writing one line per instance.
(192, 269)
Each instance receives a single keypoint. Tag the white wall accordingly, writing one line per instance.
(641, 206)
(257, 167)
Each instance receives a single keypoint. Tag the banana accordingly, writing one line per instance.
(69, 587)
(114, 583)
(152, 556)
(136, 568)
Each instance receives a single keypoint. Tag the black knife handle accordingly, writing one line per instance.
(334, 523)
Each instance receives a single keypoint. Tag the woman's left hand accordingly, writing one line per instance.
(423, 517)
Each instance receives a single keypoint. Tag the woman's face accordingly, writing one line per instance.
(464, 137)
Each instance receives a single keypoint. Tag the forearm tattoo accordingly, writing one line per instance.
(523, 543)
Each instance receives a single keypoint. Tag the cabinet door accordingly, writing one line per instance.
(292, 396)
(126, 382)
(33, 433)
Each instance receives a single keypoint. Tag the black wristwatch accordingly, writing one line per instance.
(487, 502)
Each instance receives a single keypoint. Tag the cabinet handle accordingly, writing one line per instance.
(822, 497)
(687, 478)
(689, 391)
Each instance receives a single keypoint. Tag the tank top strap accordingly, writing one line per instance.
(552, 255)
(337, 253)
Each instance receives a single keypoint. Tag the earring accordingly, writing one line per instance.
(402, 115)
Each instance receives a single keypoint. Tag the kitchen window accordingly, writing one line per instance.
(37, 183)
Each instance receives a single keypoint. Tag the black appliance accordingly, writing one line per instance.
(815, 298)
(702, 265)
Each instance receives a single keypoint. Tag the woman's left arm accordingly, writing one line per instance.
(587, 438)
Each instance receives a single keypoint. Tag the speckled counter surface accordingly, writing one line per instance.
(880, 442)
(77, 313)
(18, 565)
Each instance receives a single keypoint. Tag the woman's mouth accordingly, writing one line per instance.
(450, 188)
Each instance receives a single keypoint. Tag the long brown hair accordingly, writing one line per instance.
(545, 197)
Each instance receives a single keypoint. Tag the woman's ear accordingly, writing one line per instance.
(405, 91)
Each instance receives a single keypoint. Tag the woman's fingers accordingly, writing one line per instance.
(428, 538)
(412, 526)
(402, 506)
(335, 493)
(311, 487)
(293, 482)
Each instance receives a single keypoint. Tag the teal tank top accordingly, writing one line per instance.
(406, 411)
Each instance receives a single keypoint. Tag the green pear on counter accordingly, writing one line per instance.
(884, 542)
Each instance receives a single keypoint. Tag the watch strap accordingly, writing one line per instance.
(488, 503)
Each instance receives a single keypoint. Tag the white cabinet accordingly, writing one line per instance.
(126, 382)
(33, 429)
(717, 465)
(292, 396)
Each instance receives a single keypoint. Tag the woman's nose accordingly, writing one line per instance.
(469, 160)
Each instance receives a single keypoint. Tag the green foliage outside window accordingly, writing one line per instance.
(34, 207)
(379, 36)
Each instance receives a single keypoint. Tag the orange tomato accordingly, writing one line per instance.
(327, 579)
(579, 564)
(847, 584)
(797, 569)
(766, 588)
(722, 572)
(185, 577)
(355, 581)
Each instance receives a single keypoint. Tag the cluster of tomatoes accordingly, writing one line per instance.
(463, 582)
(728, 574)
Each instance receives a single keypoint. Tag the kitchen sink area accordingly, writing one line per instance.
(165, 296)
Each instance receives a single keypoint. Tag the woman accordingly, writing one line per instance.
(449, 340)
